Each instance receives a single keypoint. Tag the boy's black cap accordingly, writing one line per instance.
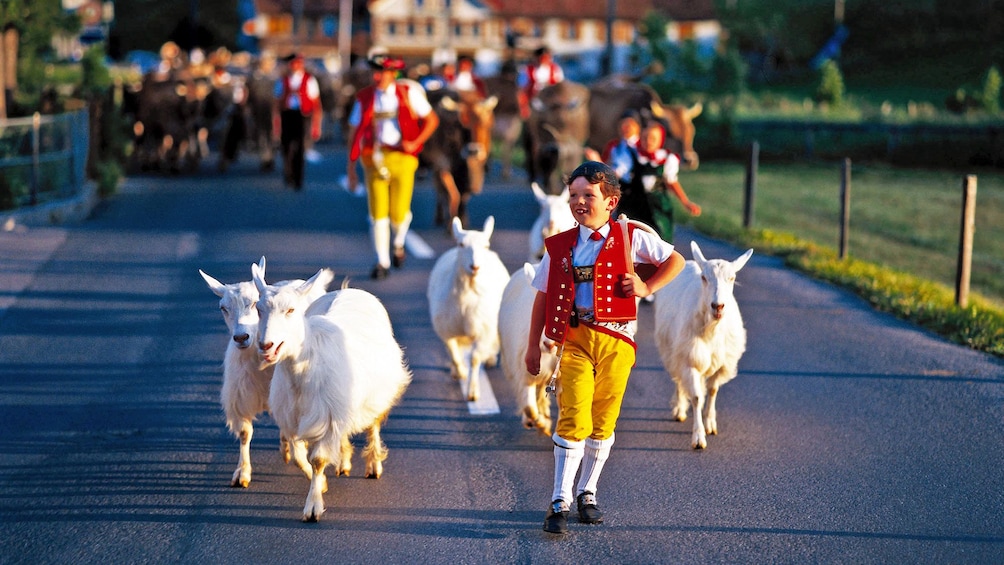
(594, 172)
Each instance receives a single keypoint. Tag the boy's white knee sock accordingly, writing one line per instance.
(401, 230)
(567, 456)
(596, 453)
(381, 241)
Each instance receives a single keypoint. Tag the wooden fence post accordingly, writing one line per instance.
(845, 207)
(749, 199)
(965, 265)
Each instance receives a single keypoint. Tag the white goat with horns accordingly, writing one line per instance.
(555, 217)
(338, 371)
(465, 292)
(700, 336)
(245, 389)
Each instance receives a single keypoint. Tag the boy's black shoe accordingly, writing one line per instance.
(556, 521)
(397, 259)
(589, 512)
(379, 272)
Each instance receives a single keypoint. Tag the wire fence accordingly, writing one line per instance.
(42, 158)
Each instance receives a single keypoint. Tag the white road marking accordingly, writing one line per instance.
(417, 247)
(486, 404)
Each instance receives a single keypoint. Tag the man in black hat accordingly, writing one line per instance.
(297, 113)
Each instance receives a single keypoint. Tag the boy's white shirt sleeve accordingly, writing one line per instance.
(671, 170)
(539, 281)
(648, 248)
(419, 103)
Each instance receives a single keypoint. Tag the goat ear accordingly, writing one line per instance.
(216, 286)
(529, 271)
(323, 278)
(258, 276)
(261, 263)
(698, 256)
(741, 261)
(458, 229)
(489, 226)
(538, 193)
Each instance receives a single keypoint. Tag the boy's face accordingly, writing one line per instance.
(588, 204)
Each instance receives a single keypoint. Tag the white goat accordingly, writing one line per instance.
(338, 371)
(465, 292)
(555, 217)
(700, 336)
(245, 389)
(514, 325)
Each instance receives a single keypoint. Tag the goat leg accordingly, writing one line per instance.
(242, 475)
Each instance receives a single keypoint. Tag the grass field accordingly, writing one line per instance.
(904, 219)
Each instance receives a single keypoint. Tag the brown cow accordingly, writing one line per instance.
(611, 97)
(555, 133)
(457, 153)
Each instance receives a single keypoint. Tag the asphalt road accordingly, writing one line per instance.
(847, 437)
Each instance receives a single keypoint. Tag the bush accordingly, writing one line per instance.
(831, 84)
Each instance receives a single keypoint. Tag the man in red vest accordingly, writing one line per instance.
(297, 112)
(389, 124)
(587, 301)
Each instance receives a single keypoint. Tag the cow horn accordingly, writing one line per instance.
(490, 103)
(657, 110)
(449, 104)
(695, 110)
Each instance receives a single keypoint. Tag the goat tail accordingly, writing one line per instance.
(345, 283)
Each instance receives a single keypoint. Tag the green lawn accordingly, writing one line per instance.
(904, 219)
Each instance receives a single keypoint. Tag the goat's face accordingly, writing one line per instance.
(555, 215)
(719, 278)
(281, 311)
(474, 246)
(237, 304)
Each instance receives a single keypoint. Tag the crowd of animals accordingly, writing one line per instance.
(290, 352)
(326, 365)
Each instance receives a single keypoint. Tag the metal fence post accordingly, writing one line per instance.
(968, 228)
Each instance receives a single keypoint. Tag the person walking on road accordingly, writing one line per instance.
(595, 326)
(297, 113)
(654, 175)
(389, 124)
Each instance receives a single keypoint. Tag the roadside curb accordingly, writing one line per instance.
(69, 211)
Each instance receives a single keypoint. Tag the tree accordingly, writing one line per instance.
(34, 22)
(991, 95)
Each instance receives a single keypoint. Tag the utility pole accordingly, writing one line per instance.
(608, 55)
(345, 34)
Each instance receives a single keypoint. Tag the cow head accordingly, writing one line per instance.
(558, 128)
(477, 118)
(679, 120)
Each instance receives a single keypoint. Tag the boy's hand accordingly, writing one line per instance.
(532, 360)
(633, 286)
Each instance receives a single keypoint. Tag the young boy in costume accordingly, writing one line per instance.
(587, 301)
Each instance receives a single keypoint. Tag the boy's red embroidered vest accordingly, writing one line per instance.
(362, 141)
(306, 102)
(610, 304)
